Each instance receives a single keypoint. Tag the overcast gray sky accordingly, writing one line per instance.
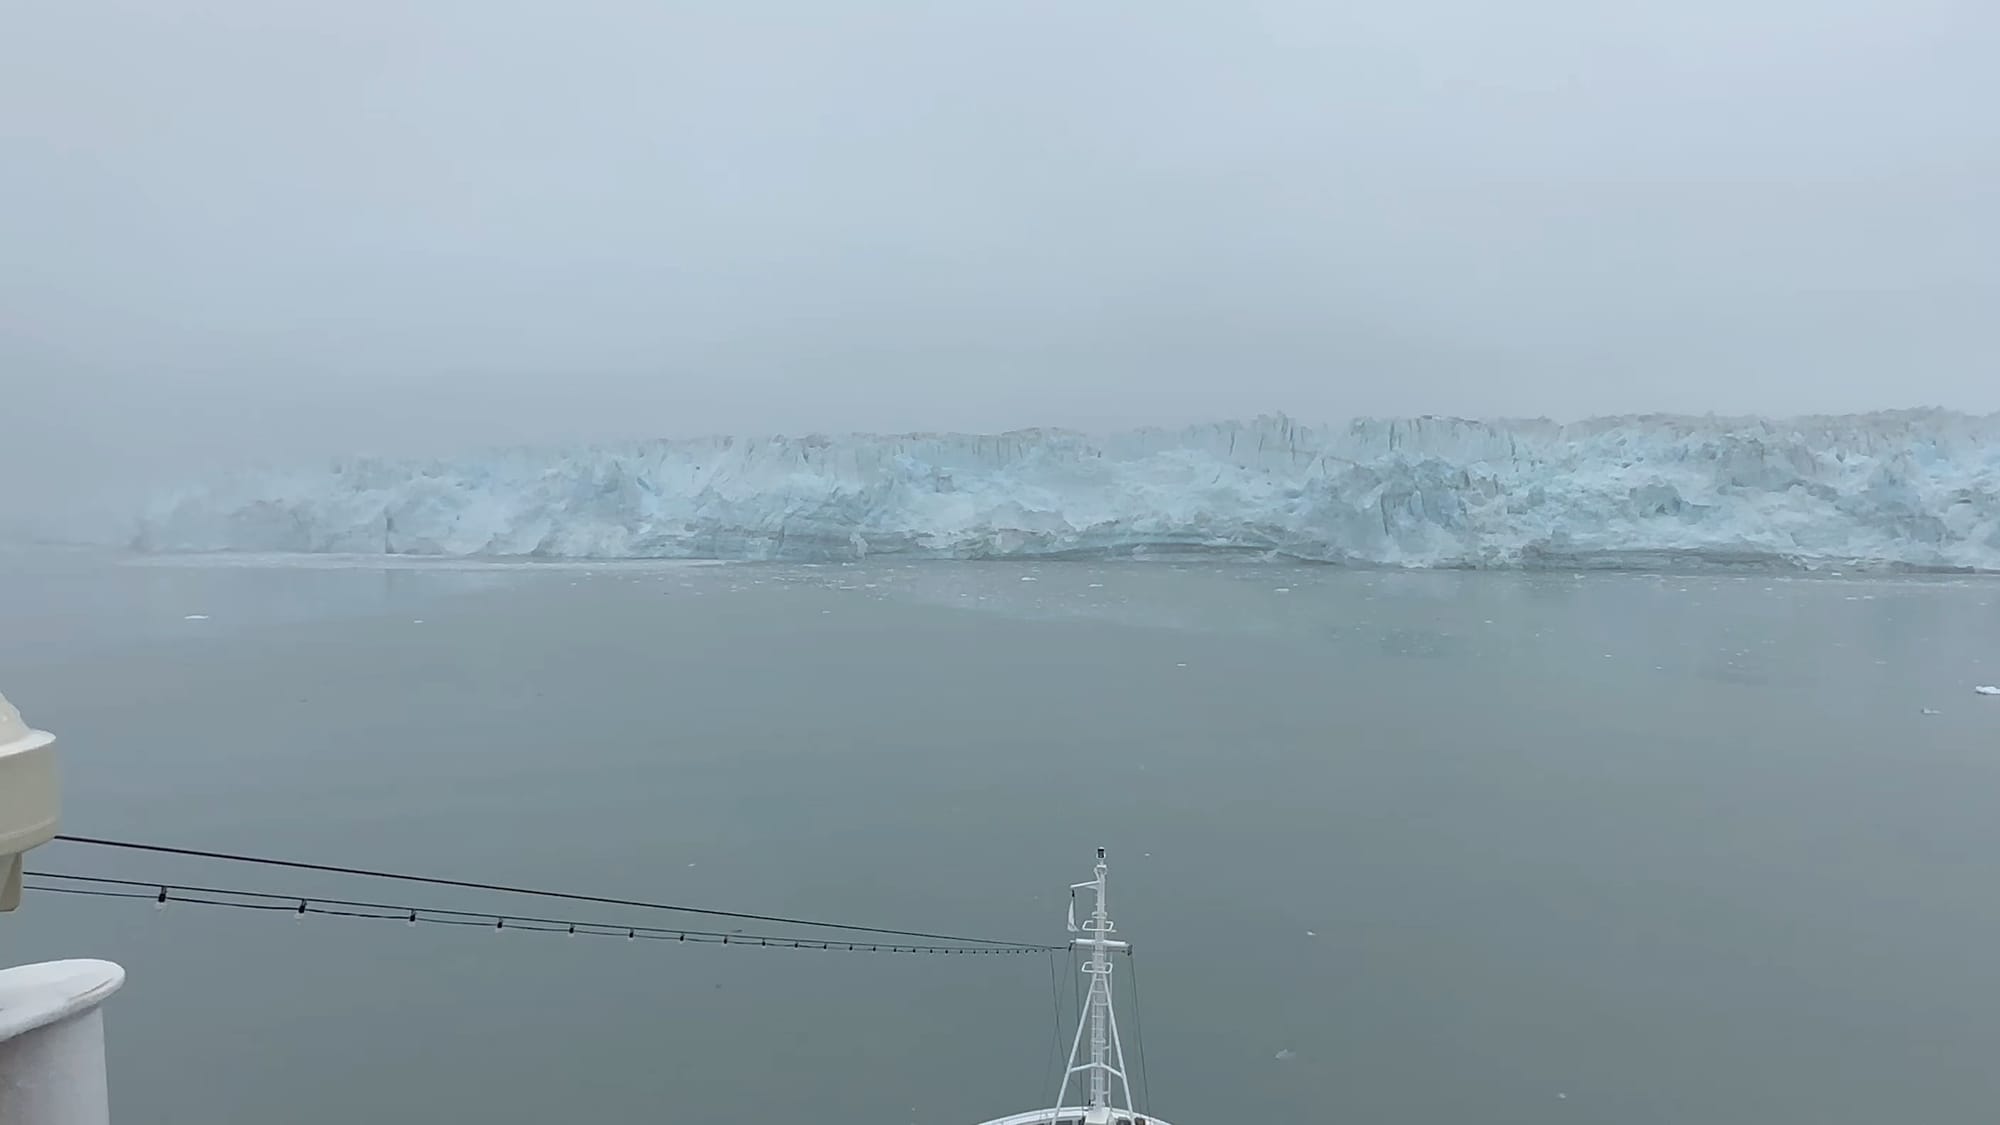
(251, 228)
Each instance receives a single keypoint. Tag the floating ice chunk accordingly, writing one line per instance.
(195, 617)
(1286, 1055)
(1987, 689)
(1932, 711)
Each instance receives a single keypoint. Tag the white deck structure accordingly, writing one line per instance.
(51, 1029)
(1105, 1088)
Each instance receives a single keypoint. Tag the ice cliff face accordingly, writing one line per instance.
(1910, 488)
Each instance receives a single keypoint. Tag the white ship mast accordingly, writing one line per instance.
(1100, 1063)
(1100, 1016)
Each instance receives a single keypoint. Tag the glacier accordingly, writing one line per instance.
(1916, 489)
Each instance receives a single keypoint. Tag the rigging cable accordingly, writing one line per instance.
(1139, 1031)
(265, 861)
(160, 894)
(1055, 1031)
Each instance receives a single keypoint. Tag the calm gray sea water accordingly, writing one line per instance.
(1605, 848)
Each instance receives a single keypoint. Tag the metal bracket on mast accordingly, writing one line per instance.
(1106, 1059)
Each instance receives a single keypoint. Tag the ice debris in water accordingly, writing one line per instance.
(1987, 689)
(1287, 1055)
(1932, 711)
(1918, 488)
(195, 617)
